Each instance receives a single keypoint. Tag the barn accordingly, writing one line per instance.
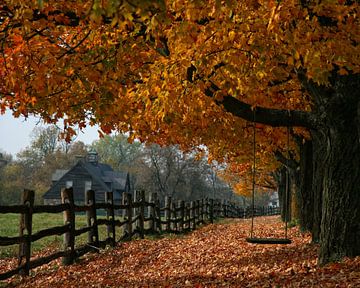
(88, 174)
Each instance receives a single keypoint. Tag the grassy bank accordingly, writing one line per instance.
(9, 227)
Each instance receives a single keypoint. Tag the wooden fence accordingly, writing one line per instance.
(138, 217)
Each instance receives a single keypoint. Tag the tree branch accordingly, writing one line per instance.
(291, 163)
(71, 50)
(268, 116)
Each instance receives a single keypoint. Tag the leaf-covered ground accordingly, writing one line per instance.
(214, 256)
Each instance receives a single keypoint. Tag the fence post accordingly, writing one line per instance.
(173, 216)
(67, 197)
(187, 215)
(202, 204)
(158, 214)
(224, 210)
(93, 235)
(211, 211)
(28, 197)
(231, 210)
(142, 214)
(168, 213)
(215, 206)
(152, 218)
(135, 212)
(129, 224)
(192, 215)
(182, 215)
(198, 215)
(123, 202)
(110, 216)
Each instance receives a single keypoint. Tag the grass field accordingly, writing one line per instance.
(9, 227)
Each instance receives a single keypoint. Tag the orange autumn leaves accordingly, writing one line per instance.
(126, 67)
(212, 256)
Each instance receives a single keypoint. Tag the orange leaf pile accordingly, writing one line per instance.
(213, 256)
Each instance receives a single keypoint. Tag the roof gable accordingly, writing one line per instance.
(101, 174)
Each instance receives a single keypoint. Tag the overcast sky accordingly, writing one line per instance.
(15, 133)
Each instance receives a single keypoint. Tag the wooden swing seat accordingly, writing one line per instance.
(268, 240)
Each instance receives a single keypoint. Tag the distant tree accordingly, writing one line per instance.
(164, 170)
(5, 193)
(10, 184)
(35, 164)
(116, 151)
(45, 141)
(170, 172)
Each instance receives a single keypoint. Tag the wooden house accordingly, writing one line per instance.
(88, 174)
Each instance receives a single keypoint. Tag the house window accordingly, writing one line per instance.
(88, 185)
(69, 184)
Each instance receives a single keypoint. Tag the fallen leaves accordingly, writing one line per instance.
(213, 256)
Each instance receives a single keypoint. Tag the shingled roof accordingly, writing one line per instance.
(101, 177)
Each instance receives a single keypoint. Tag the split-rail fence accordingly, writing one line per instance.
(138, 217)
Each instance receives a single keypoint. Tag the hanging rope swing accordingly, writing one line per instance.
(253, 239)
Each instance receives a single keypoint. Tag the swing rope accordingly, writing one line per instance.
(253, 177)
(269, 240)
(287, 183)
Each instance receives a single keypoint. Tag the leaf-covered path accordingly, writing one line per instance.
(213, 256)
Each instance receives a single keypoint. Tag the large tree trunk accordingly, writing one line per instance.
(305, 195)
(318, 163)
(284, 199)
(340, 226)
(295, 194)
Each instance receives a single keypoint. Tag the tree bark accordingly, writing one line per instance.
(272, 117)
(295, 201)
(318, 163)
(305, 196)
(284, 199)
(340, 226)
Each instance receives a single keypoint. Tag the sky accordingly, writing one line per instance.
(15, 133)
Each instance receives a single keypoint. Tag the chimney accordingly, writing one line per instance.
(92, 157)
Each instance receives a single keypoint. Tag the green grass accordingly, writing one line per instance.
(9, 227)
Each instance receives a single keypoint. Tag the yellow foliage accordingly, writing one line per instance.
(147, 68)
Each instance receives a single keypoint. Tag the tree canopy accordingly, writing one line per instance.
(148, 67)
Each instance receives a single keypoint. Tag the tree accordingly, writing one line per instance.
(197, 72)
(117, 151)
(36, 163)
(45, 140)
(11, 184)
(6, 195)
(166, 170)
(170, 172)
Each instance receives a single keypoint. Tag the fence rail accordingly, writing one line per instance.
(139, 217)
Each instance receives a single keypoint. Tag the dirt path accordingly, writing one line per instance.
(213, 256)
